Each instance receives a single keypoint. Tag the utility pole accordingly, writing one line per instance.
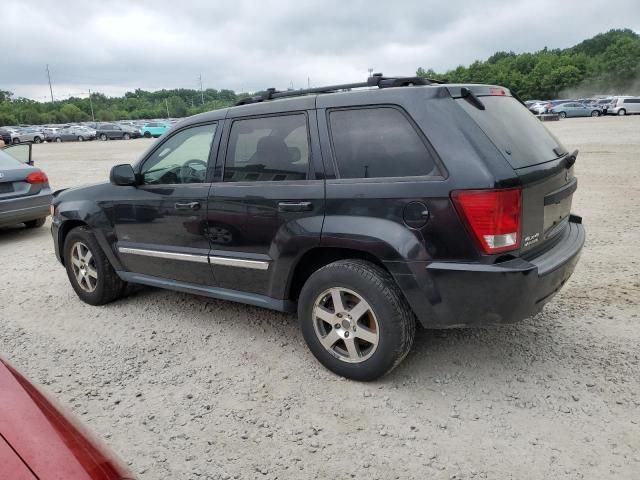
(370, 71)
(308, 82)
(50, 87)
(166, 105)
(201, 91)
(93, 117)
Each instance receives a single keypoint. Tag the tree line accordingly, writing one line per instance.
(608, 63)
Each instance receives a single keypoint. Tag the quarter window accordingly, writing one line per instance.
(268, 149)
(378, 142)
(182, 158)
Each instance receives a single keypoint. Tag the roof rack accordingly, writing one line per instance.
(376, 80)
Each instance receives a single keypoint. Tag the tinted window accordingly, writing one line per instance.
(268, 149)
(632, 100)
(520, 136)
(378, 142)
(182, 158)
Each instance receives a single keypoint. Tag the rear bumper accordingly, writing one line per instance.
(24, 209)
(445, 294)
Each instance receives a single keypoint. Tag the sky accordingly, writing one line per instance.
(118, 46)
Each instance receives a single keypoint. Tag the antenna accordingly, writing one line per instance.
(49, 77)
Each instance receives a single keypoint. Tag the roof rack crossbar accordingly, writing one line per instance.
(376, 80)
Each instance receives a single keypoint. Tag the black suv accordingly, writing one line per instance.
(111, 131)
(364, 208)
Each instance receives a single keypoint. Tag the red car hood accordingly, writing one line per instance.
(40, 442)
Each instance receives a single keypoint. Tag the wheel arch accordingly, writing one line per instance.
(318, 257)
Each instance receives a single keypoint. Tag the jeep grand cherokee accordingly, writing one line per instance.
(363, 206)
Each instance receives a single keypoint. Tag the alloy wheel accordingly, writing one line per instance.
(346, 325)
(84, 267)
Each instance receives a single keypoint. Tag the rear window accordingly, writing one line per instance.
(518, 134)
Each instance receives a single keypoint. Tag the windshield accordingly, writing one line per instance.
(519, 135)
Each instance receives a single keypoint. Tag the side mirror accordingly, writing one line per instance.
(122, 175)
(21, 152)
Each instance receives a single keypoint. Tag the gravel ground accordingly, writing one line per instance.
(185, 387)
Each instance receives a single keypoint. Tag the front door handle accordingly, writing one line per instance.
(187, 206)
(295, 206)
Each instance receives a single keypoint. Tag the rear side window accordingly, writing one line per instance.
(378, 142)
(519, 135)
(632, 100)
(268, 149)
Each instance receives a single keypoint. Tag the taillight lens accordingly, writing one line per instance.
(493, 216)
(37, 177)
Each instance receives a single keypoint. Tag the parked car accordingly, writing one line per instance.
(50, 133)
(362, 210)
(39, 440)
(110, 131)
(624, 106)
(154, 129)
(5, 136)
(25, 194)
(602, 104)
(75, 134)
(34, 135)
(575, 109)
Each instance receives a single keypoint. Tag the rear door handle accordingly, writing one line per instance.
(187, 206)
(295, 206)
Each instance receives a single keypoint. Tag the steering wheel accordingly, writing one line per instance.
(189, 174)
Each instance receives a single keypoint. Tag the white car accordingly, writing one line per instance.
(624, 106)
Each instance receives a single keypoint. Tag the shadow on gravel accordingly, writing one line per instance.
(15, 233)
(490, 354)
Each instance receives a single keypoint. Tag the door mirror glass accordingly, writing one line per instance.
(21, 152)
(122, 175)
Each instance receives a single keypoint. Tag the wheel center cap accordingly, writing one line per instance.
(346, 324)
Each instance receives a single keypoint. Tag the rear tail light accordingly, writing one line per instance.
(37, 177)
(493, 216)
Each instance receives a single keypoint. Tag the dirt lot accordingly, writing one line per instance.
(192, 388)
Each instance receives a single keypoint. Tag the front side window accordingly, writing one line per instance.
(182, 158)
(378, 142)
(268, 149)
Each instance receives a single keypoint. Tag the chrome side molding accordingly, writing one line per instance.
(223, 261)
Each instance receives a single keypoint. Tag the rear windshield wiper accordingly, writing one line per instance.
(470, 97)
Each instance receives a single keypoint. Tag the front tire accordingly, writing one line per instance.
(103, 137)
(58, 139)
(80, 138)
(37, 223)
(126, 136)
(37, 140)
(147, 134)
(563, 114)
(89, 271)
(355, 319)
(595, 113)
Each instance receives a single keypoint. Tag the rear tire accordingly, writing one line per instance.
(622, 112)
(37, 223)
(81, 138)
(15, 141)
(147, 134)
(126, 136)
(89, 271)
(360, 341)
(563, 114)
(103, 137)
(37, 140)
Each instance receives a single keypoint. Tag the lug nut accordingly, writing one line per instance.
(339, 315)
(336, 326)
(346, 334)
